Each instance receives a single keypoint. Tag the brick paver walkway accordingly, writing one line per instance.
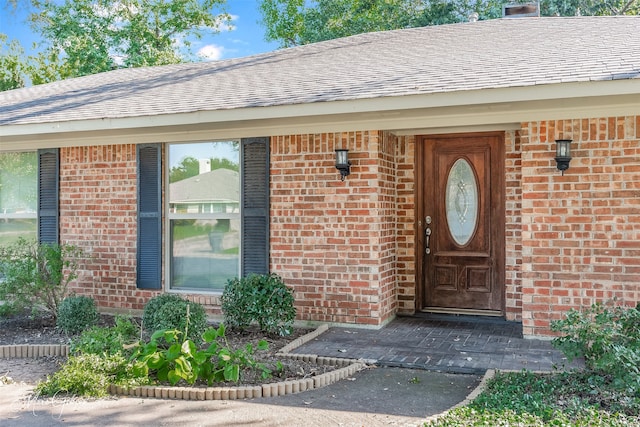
(444, 343)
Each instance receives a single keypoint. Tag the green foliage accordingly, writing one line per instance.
(82, 37)
(98, 36)
(171, 311)
(36, 276)
(12, 73)
(107, 340)
(297, 22)
(470, 417)
(562, 399)
(171, 358)
(89, 375)
(608, 337)
(588, 7)
(77, 313)
(264, 299)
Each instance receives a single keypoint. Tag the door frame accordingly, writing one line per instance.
(497, 205)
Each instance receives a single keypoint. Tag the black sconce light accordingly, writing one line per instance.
(342, 162)
(563, 154)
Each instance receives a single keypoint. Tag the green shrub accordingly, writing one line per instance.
(170, 357)
(77, 313)
(264, 299)
(169, 311)
(470, 417)
(608, 337)
(533, 399)
(90, 375)
(36, 276)
(107, 340)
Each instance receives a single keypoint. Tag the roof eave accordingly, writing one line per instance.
(425, 111)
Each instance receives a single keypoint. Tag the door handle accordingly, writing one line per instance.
(427, 238)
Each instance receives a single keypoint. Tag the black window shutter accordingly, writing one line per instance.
(149, 254)
(48, 191)
(255, 206)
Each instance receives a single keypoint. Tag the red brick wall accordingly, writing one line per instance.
(348, 247)
(334, 241)
(98, 213)
(513, 226)
(580, 231)
(406, 223)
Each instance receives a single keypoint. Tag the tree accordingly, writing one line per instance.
(82, 37)
(190, 166)
(100, 35)
(297, 22)
(12, 67)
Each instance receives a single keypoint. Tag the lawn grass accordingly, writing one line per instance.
(577, 398)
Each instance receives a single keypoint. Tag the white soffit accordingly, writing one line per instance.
(492, 109)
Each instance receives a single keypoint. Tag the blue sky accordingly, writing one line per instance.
(244, 39)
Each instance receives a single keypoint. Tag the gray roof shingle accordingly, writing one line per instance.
(448, 58)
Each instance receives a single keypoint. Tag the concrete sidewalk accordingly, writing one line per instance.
(373, 397)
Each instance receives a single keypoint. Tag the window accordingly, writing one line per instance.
(214, 232)
(18, 196)
(204, 217)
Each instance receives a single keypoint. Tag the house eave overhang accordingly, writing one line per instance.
(426, 113)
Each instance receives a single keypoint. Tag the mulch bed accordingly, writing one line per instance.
(29, 330)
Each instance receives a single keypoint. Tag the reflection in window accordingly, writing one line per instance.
(204, 215)
(18, 196)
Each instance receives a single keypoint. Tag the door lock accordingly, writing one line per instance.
(427, 238)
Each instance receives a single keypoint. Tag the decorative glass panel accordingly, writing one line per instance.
(462, 202)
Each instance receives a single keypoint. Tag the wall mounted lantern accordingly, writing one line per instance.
(563, 154)
(342, 162)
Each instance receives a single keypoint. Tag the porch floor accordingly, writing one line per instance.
(447, 343)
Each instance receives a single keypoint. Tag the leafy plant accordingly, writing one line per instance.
(90, 375)
(170, 357)
(36, 276)
(108, 340)
(77, 313)
(531, 399)
(264, 299)
(470, 417)
(608, 337)
(170, 311)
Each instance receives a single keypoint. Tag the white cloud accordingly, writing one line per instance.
(210, 52)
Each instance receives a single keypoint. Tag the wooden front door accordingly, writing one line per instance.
(461, 222)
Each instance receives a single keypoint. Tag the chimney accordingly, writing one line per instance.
(205, 166)
(521, 10)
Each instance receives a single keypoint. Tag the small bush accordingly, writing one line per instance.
(89, 375)
(77, 313)
(36, 276)
(264, 299)
(107, 340)
(169, 311)
(608, 337)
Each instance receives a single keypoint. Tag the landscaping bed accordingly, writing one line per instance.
(24, 330)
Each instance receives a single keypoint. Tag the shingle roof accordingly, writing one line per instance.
(448, 58)
(217, 186)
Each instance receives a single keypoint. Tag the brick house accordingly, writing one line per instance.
(454, 202)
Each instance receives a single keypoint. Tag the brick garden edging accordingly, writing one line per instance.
(23, 351)
(347, 368)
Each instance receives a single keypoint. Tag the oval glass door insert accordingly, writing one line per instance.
(461, 202)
